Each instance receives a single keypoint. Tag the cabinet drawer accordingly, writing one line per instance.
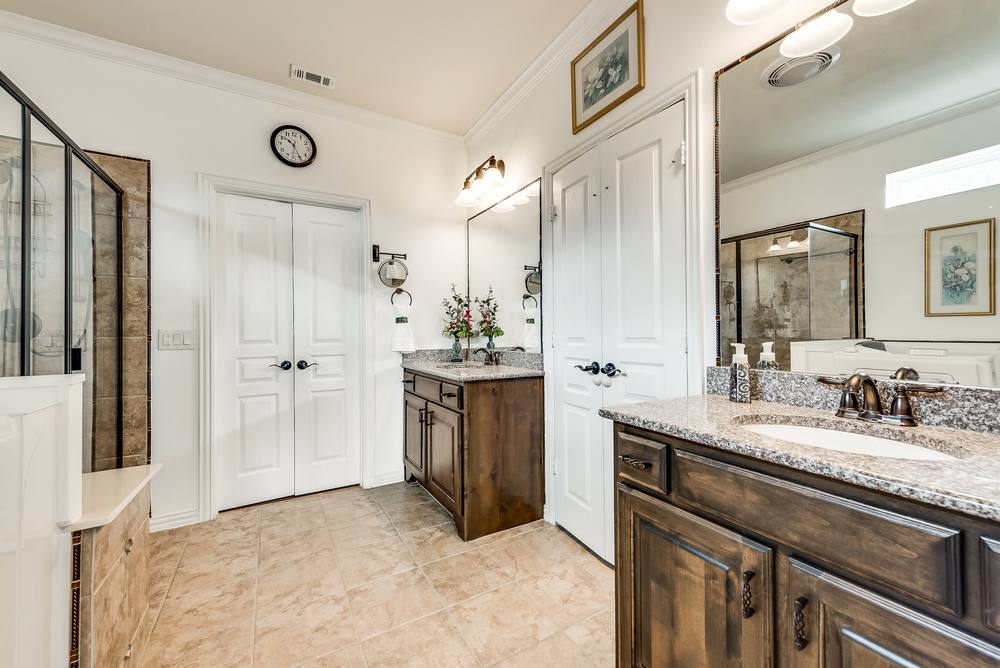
(409, 380)
(642, 462)
(910, 555)
(451, 396)
(427, 388)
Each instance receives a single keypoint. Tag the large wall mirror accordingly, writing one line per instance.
(858, 190)
(505, 255)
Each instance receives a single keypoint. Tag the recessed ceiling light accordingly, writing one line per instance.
(878, 7)
(817, 35)
(748, 12)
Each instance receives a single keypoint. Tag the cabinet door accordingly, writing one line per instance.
(691, 594)
(836, 624)
(414, 447)
(444, 457)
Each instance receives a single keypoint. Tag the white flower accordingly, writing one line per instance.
(614, 73)
(593, 81)
(962, 273)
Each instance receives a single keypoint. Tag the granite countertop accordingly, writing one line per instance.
(970, 484)
(467, 372)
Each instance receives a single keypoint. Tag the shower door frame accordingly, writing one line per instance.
(31, 110)
(858, 327)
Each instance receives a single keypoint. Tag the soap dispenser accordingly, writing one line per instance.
(767, 360)
(739, 376)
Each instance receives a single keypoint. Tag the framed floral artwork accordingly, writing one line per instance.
(960, 269)
(609, 71)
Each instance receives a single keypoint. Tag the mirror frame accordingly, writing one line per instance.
(718, 170)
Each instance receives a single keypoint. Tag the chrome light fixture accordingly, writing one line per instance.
(816, 35)
(868, 8)
(481, 183)
(749, 12)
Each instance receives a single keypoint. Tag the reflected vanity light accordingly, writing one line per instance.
(816, 35)
(519, 198)
(504, 207)
(749, 12)
(533, 190)
(868, 8)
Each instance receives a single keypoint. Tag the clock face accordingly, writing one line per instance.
(293, 146)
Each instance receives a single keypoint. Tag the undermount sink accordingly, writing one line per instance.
(464, 365)
(843, 441)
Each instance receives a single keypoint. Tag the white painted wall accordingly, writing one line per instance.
(185, 127)
(894, 238)
(530, 127)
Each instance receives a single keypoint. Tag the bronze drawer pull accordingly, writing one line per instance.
(407, 381)
(631, 461)
(799, 623)
(747, 596)
(422, 413)
(450, 395)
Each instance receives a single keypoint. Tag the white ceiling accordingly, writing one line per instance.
(439, 63)
(924, 58)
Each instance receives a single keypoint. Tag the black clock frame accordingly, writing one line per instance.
(274, 149)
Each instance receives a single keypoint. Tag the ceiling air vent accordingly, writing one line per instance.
(302, 74)
(788, 72)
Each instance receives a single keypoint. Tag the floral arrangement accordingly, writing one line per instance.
(488, 311)
(958, 277)
(459, 312)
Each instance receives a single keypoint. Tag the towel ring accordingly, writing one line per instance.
(526, 298)
(392, 300)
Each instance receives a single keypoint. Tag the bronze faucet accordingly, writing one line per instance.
(861, 400)
(493, 357)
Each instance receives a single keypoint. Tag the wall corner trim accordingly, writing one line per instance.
(108, 50)
(581, 30)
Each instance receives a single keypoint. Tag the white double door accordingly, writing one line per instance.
(619, 297)
(287, 371)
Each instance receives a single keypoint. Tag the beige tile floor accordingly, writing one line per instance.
(355, 578)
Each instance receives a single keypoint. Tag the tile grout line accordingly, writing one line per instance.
(170, 586)
(256, 589)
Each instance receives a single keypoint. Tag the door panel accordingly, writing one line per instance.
(327, 334)
(680, 584)
(581, 487)
(253, 429)
(444, 450)
(846, 626)
(414, 446)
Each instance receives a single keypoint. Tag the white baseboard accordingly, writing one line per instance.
(173, 521)
(388, 478)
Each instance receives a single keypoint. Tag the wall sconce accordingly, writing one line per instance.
(483, 180)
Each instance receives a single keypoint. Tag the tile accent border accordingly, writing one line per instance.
(968, 408)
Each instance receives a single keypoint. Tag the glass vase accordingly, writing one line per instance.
(456, 350)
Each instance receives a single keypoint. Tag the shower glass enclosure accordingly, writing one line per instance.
(59, 211)
(794, 283)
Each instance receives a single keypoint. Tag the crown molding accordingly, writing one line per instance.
(595, 16)
(85, 44)
(966, 108)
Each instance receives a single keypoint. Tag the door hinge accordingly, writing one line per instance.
(552, 213)
(684, 153)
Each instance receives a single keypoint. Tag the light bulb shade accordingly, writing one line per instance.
(816, 35)
(878, 7)
(748, 12)
(533, 189)
(481, 189)
(519, 199)
(775, 247)
(504, 207)
(467, 198)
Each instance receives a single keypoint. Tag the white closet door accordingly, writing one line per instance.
(579, 432)
(253, 421)
(644, 274)
(328, 337)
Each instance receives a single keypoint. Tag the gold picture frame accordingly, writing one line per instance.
(954, 270)
(609, 77)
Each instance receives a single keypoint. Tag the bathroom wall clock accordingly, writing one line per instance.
(293, 146)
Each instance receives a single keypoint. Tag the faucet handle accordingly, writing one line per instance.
(901, 411)
(832, 382)
(920, 389)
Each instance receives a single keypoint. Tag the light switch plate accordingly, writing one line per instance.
(175, 339)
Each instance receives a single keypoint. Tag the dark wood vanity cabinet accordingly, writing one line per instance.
(477, 448)
(723, 560)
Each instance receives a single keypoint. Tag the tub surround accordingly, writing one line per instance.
(107, 493)
(470, 372)
(959, 407)
(970, 485)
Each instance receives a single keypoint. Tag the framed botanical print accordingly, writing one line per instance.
(609, 71)
(960, 269)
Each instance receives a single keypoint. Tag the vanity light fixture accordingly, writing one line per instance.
(749, 12)
(816, 35)
(775, 247)
(481, 182)
(868, 8)
(504, 207)
(517, 199)
(533, 190)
